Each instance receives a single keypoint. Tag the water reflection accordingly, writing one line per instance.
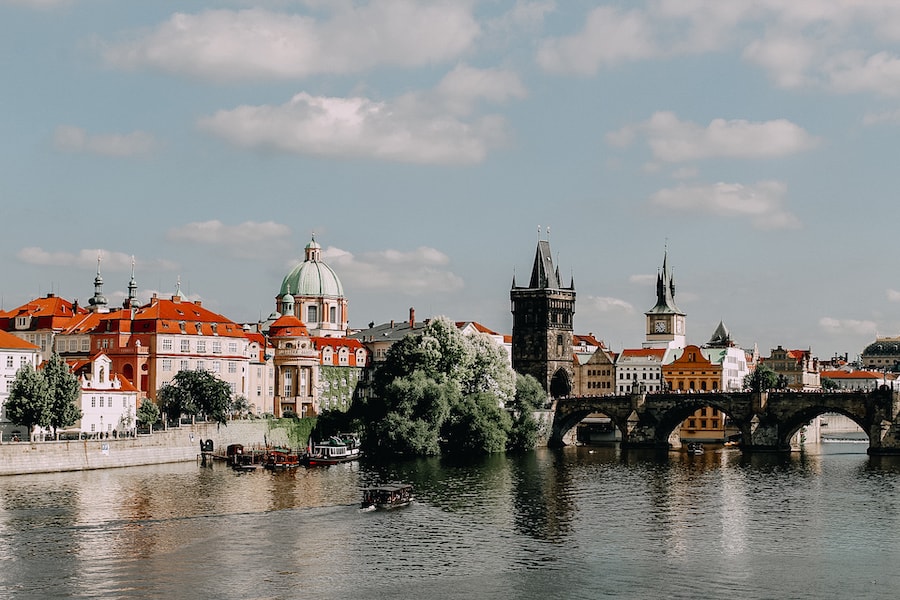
(574, 522)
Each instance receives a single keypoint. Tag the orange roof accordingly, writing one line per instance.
(850, 374)
(647, 352)
(177, 316)
(288, 326)
(478, 327)
(49, 312)
(10, 342)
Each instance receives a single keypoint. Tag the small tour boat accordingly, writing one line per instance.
(282, 459)
(695, 448)
(386, 497)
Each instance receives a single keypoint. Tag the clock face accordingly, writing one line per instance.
(660, 327)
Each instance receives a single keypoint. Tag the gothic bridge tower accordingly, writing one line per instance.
(542, 325)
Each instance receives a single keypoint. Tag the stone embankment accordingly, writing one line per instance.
(173, 445)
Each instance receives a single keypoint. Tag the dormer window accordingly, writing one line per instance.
(199, 328)
(182, 326)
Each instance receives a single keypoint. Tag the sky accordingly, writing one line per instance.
(428, 146)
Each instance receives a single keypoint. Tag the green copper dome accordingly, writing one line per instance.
(312, 277)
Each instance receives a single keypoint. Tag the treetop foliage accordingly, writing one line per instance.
(439, 391)
(195, 393)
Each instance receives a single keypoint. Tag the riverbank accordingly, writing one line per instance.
(173, 445)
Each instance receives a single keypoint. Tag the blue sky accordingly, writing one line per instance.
(426, 142)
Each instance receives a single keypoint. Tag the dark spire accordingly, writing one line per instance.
(665, 289)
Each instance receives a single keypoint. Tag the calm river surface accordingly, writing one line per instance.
(574, 523)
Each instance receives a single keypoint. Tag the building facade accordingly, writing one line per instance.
(543, 315)
(15, 353)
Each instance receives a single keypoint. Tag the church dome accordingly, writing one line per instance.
(883, 347)
(312, 277)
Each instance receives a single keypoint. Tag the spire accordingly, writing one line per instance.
(98, 302)
(543, 274)
(665, 289)
(130, 301)
(178, 293)
(287, 303)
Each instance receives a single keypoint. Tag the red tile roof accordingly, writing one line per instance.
(10, 342)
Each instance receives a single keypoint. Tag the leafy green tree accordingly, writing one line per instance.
(240, 407)
(530, 395)
(148, 413)
(28, 402)
(195, 393)
(64, 391)
(829, 384)
(762, 379)
(438, 391)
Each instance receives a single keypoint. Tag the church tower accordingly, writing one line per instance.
(98, 302)
(542, 325)
(665, 322)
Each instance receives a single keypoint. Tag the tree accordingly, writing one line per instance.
(148, 413)
(239, 407)
(28, 402)
(64, 391)
(195, 393)
(439, 391)
(530, 395)
(762, 379)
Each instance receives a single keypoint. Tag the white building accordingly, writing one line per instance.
(14, 354)
(108, 400)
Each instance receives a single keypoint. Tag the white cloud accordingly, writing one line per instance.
(245, 240)
(642, 279)
(893, 295)
(609, 37)
(74, 139)
(230, 45)
(420, 271)
(87, 259)
(761, 203)
(852, 326)
(605, 304)
(673, 140)
(432, 127)
(853, 72)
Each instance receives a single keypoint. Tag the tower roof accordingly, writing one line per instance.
(665, 291)
(312, 277)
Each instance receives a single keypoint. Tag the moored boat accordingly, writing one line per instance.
(281, 458)
(695, 448)
(332, 452)
(386, 497)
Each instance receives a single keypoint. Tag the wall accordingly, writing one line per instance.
(175, 445)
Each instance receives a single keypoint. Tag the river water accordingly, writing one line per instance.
(578, 522)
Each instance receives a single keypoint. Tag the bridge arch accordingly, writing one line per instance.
(766, 420)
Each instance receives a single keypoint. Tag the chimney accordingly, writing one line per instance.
(412, 318)
(392, 323)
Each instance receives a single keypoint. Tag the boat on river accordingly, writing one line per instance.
(332, 452)
(387, 497)
(695, 448)
(282, 458)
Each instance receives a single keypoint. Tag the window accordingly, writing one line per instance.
(23, 361)
(167, 364)
(332, 317)
(201, 346)
(201, 365)
(185, 345)
(167, 343)
(85, 345)
(93, 402)
(217, 347)
(312, 314)
(216, 366)
(101, 401)
(184, 366)
(9, 361)
(232, 347)
(232, 366)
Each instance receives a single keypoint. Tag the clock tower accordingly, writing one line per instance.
(665, 322)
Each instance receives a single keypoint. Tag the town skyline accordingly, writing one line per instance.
(424, 143)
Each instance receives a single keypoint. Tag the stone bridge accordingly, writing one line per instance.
(766, 420)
